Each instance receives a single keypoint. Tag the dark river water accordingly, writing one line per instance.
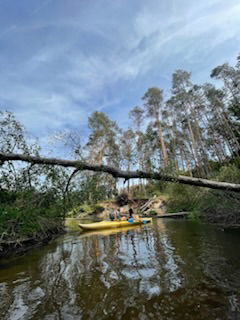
(166, 270)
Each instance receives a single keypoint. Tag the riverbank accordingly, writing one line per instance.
(148, 206)
(20, 245)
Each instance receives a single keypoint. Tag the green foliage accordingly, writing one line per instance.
(93, 189)
(86, 208)
(157, 187)
(7, 197)
(102, 144)
(19, 223)
(195, 216)
(98, 209)
(152, 213)
(80, 209)
(182, 198)
(230, 173)
(211, 205)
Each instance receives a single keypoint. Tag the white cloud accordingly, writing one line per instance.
(80, 57)
(164, 37)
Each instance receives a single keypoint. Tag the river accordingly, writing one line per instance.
(170, 269)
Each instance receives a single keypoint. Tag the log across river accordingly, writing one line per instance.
(169, 269)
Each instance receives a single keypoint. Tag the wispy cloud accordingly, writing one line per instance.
(61, 61)
(42, 5)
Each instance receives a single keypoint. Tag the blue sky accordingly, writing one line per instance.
(60, 60)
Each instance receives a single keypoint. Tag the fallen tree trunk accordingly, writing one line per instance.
(117, 173)
(173, 215)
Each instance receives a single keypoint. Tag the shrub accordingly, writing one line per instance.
(194, 216)
(152, 213)
(183, 198)
(122, 199)
(230, 173)
(98, 209)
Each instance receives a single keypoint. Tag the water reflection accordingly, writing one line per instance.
(167, 270)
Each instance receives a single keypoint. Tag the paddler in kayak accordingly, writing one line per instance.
(136, 217)
(114, 214)
(123, 216)
(118, 214)
(132, 216)
(130, 212)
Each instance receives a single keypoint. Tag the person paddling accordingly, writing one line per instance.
(118, 214)
(130, 212)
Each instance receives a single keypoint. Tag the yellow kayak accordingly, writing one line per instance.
(113, 224)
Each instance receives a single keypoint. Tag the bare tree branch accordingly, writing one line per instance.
(70, 178)
(117, 173)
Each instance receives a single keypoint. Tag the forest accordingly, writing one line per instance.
(192, 131)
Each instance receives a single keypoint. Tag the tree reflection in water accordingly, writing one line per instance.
(161, 271)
